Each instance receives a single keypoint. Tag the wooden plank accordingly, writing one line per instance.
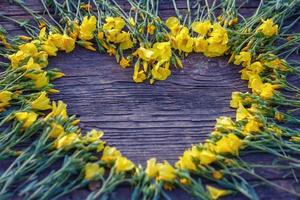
(158, 120)
(143, 120)
(12, 9)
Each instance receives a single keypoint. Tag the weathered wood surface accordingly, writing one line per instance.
(143, 120)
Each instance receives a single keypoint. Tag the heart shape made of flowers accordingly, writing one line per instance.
(28, 110)
(107, 100)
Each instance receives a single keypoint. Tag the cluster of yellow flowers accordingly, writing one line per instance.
(31, 59)
(253, 73)
(268, 28)
(226, 143)
(153, 60)
(5, 98)
(156, 58)
(211, 39)
(110, 36)
(112, 157)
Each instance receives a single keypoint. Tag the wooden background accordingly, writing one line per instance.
(144, 120)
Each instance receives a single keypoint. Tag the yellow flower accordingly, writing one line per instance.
(93, 136)
(4, 42)
(242, 112)
(16, 58)
(215, 49)
(114, 36)
(268, 90)
(87, 28)
(244, 58)
(49, 47)
(74, 29)
(131, 21)
(295, 139)
(25, 38)
(111, 51)
(41, 103)
(217, 175)
(235, 99)
(184, 181)
(216, 193)
(122, 164)
(53, 91)
(275, 130)
(27, 118)
(279, 64)
(255, 108)
(252, 126)
(124, 62)
(183, 41)
(138, 76)
(173, 24)
(42, 34)
(255, 83)
(120, 36)
(279, 116)
(100, 35)
(228, 144)
(56, 131)
(186, 161)
(217, 42)
(160, 73)
(42, 58)
(40, 80)
(166, 172)
(200, 44)
(246, 73)
(56, 75)
(110, 154)
(268, 28)
(145, 54)
(58, 110)
(86, 6)
(152, 168)
(162, 51)
(92, 171)
(201, 27)
(42, 24)
(66, 141)
(207, 157)
(126, 42)
(5, 98)
(256, 67)
(218, 35)
(113, 23)
(151, 29)
(233, 21)
(178, 62)
(62, 42)
(265, 90)
(31, 65)
(29, 49)
(224, 123)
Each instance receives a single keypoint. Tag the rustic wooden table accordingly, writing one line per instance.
(143, 120)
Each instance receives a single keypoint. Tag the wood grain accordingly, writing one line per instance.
(144, 120)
